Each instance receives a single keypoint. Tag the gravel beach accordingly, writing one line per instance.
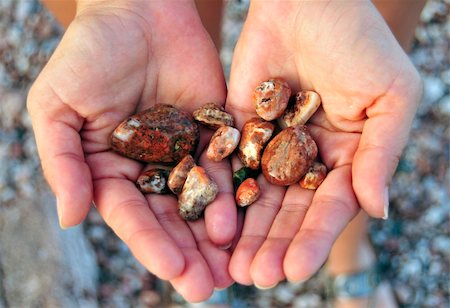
(413, 245)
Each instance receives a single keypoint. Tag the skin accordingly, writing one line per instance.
(370, 92)
(88, 87)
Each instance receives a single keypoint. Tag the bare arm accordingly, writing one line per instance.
(402, 17)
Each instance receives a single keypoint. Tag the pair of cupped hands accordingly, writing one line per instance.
(117, 58)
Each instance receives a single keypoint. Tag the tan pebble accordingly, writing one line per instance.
(255, 134)
(199, 190)
(223, 143)
(271, 98)
(300, 109)
(213, 116)
(178, 175)
(314, 177)
(153, 181)
(248, 192)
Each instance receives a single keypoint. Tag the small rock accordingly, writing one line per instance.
(441, 244)
(223, 142)
(213, 116)
(308, 300)
(178, 175)
(149, 298)
(412, 268)
(254, 136)
(96, 233)
(404, 294)
(11, 108)
(271, 98)
(300, 109)
(434, 88)
(444, 106)
(199, 190)
(288, 156)
(314, 177)
(242, 174)
(248, 192)
(435, 215)
(154, 181)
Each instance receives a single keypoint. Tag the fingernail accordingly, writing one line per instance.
(226, 246)
(267, 287)
(297, 282)
(386, 203)
(59, 210)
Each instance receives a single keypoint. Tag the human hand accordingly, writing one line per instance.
(117, 58)
(369, 90)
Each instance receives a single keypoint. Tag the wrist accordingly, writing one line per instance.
(146, 9)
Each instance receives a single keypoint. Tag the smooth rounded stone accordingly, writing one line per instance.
(256, 132)
(435, 215)
(441, 244)
(153, 181)
(11, 108)
(308, 300)
(223, 142)
(444, 106)
(213, 116)
(248, 192)
(96, 233)
(199, 190)
(404, 293)
(411, 268)
(179, 173)
(314, 177)
(284, 294)
(288, 156)
(242, 174)
(149, 298)
(300, 109)
(160, 134)
(271, 98)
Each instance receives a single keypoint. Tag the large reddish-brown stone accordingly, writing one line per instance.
(160, 134)
(289, 155)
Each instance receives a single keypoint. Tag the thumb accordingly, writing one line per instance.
(383, 138)
(56, 129)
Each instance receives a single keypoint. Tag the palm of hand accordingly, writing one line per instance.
(359, 73)
(106, 87)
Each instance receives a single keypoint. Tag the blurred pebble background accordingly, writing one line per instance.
(87, 266)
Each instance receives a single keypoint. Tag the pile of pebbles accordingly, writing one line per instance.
(413, 246)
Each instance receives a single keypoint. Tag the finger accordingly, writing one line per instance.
(127, 212)
(221, 214)
(267, 267)
(62, 158)
(217, 258)
(240, 226)
(257, 223)
(252, 65)
(333, 206)
(196, 282)
(384, 136)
